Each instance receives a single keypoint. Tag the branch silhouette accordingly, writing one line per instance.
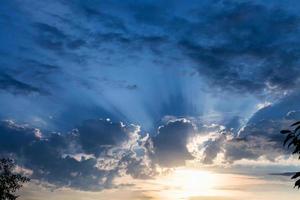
(10, 182)
(292, 141)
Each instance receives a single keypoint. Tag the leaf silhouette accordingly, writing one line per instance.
(288, 137)
(297, 184)
(296, 123)
(292, 139)
(293, 142)
(297, 149)
(297, 129)
(296, 175)
(285, 131)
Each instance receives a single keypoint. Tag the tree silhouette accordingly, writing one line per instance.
(292, 141)
(10, 182)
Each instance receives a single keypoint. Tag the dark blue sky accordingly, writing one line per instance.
(172, 69)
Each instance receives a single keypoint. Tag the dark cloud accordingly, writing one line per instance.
(285, 108)
(94, 135)
(260, 137)
(151, 13)
(46, 159)
(238, 46)
(289, 174)
(170, 144)
(39, 65)
(244, 46)
(94, 12)
(13, 137)
(76, 44)
(74, 159)
(212, 147)
(49, 30)
(10, 84)
(50, 37)
(132, 87)
(259, 140)
(116, 38)
(252, 148)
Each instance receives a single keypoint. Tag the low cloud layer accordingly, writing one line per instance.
(93, 155)
(73, 161)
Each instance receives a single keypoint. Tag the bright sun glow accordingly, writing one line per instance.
(184, 183)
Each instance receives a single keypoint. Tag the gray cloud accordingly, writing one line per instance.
(260, 137)
(258, 140)
(170, 143)
(10, 84)
(244, 46)
(74, 159)
(53, 38)
(212, 147)
(97, 134)
(50, 37)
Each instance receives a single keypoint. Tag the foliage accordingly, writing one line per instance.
(10, 182)
(292, 140)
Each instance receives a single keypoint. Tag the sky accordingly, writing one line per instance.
(150, 99)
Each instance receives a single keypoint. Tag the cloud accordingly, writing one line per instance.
(170, 143)
(96, 152)
(50, 37)
(255, 141)
(260, 138)
(150, 14)
(92, 11)
(244, 46)
(14, 86)
(15, 137)
(89, 158)
(289, 174)
(94, 135)
(213, 146)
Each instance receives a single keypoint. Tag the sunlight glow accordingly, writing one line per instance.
(184, 183)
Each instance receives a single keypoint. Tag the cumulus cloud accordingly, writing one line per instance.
(95, 135)
(88, 158)
(170, 143)
(260, 138)
(91, 156)
(255, 141)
